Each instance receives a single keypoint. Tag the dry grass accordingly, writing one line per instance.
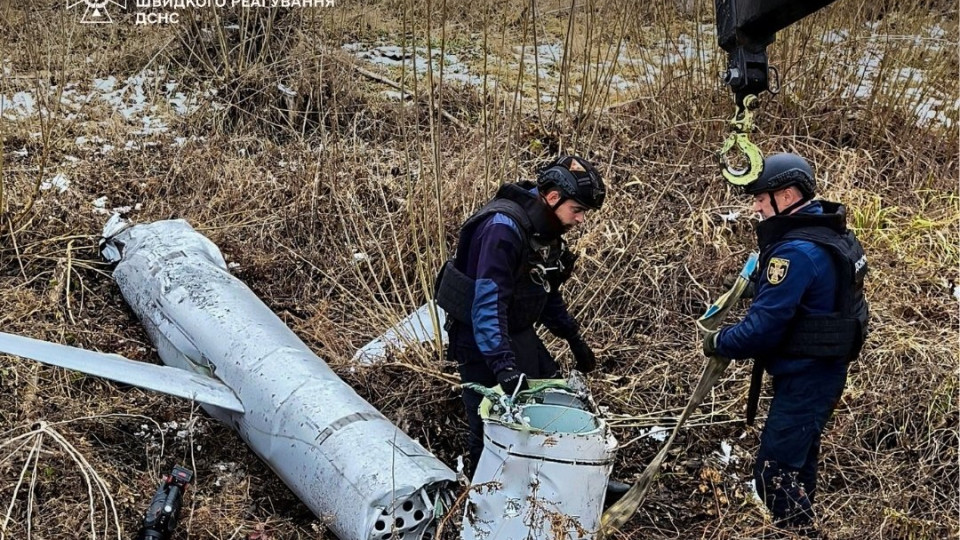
(292, 188)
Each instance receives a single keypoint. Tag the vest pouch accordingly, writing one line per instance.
(529, 300)
(455, 292)
(828, 337)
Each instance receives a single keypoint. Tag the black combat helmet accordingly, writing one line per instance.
(784, 170)
(575, 178)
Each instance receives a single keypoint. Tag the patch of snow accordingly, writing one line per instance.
(956, 292)
(105, 85)
(182, 104)
(836, 36)
(151, 125)
(618, 83)
(21, 105)
(59, 181)
(732, 216)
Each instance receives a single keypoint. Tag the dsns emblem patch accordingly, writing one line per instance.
(777, 270)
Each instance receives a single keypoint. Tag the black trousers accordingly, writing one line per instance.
(786, 466)
(533, 360)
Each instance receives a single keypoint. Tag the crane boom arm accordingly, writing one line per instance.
(745, 28)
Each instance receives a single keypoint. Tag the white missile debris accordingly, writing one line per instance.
(417, 327)
(346, 461)
(168, 380)
(544, 468)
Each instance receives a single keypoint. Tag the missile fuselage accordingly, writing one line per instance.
(343, 458)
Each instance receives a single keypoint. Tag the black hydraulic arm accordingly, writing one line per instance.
(745, 28)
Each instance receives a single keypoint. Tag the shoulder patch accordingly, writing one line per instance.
(777, 270)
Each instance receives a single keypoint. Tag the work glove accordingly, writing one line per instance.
(710, 343)
(586, 361)
(748, 292)
(512, 381)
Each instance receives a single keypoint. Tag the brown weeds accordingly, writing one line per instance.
(337, 204)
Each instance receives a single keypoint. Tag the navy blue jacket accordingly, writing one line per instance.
(494, 258)
(800, 278)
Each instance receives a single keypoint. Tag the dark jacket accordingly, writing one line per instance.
(809, 303)
(506, 262)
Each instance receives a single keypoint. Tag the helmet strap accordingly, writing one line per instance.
(804, 199)
(773, 203)
(557, 204)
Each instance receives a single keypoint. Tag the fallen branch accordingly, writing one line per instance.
(403, 94)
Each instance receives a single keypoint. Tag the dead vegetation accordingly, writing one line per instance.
(338, 203)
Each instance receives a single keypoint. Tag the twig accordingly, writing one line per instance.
(381, 79)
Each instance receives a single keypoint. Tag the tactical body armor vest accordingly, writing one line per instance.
(546, 262)
(840, 334)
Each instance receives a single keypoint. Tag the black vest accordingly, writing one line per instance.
(539, 271)
(836, 335)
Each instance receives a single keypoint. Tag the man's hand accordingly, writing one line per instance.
(710, 343)
(512, 382)
(586, 361)
(730, 279)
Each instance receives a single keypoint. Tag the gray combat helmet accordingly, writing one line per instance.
(575, 178)
(781, 171)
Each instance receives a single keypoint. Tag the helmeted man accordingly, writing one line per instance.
(505, 278)
(808, 320)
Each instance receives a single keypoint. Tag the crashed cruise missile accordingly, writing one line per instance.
(346, 461)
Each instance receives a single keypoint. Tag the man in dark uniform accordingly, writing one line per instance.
(808, 320)
(505, 278)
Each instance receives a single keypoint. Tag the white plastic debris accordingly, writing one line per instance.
(656, 433)
(752, 490)
(286, 90)
(726, 453)
(100, 205)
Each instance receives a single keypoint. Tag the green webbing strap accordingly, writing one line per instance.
(620, 512)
